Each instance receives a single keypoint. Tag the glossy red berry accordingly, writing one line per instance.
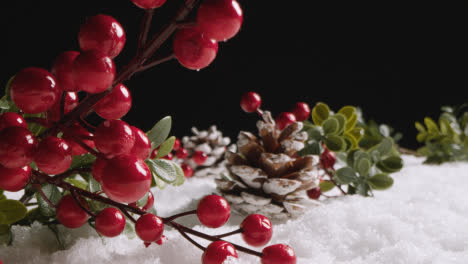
(53, 155)
(116, 104)
(98, 167)
(250, 102)
(182, 153)
(63, 71)
(93, 72)
(213, 211)
(71, 101)
(149, 202)
(126, 179)
(193, 50)
(278, 254)
(149, 228)
(17, 147)
(154, 153)
(314, 193)
(78, 131)
(188, 171)
(301, 111)
(177, 145)
(327, 159)
(220, 19)
(110, 222)
(14, 180)
(34, 90)
(169, 156)
(217, 252)
(148, 4)
(70, 214)
(11, 119)
(102, 33)
(114, 138)
(199, 157)
(142, 147)
(284, 119)
(257, 230)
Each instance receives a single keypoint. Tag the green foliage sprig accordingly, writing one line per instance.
(365, 166)
(445, 140)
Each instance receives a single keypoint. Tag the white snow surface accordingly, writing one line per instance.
(423, 218)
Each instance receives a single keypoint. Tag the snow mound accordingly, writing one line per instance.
(423, 218)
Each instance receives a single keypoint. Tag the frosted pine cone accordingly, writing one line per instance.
(214, 145)
(266, 176)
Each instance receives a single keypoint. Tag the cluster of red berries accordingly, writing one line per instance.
(251, 102)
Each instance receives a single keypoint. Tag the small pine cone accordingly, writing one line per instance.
(214, 145)
(265, 175)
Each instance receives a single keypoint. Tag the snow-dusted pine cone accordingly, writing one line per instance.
(214, 145)
(266, 176)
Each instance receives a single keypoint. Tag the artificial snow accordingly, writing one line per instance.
(423, 218)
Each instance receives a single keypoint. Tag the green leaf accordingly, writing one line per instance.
(6, 236)
(163, 169)
(35, 128)
(391, 164)
(331, 126)
(326, 186)
(129, 230)
(312, 148)
(384, 147)
(12, 210)
(351, 122)
(77, 183)
(4, 229)
(341, 123)
(431, 125)
(345, 175)
(83, 161)
(380, 182)
(320, 113)
(2, 196)
(363, 167)
(58, 236)
(353, 142)
(166, 147)
(93, 185)
(53, 194)
(363, 189)
(160, 131)
(314, 132)
(348, 111)
(180, 175)
(335, 143)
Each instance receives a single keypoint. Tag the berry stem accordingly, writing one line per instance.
(409, 152)
(230, 233)
(69, 173)
(156, 62)
(334, 182)
(86, 147)
(86, 125)
(78, 202)
(145, 27)
(38, 120)
(190, 239)
(42, 194)
(169, 219)
(62, 104)
(128, 215)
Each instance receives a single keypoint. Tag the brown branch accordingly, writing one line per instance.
(190, 239)
(230, 233)
(42, 194)
(155, 63)
(62, 104)
(73, 194)
(145, 27)
(69, 173)
(168, 219)
(86, 125)
(409, 152)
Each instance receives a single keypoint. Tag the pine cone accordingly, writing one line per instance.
(214, 145)
(266, 176)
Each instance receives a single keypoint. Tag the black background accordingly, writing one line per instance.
(398, 61)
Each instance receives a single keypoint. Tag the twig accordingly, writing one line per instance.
(128, 215)
(62, 104)
(230, 233)
(145, 27)
(71, 172)
(86, 125)
(42, 194)
(168, 219)
(409, 152)
(81, 205)
(190, 239)
(155, 63)
(86, 147)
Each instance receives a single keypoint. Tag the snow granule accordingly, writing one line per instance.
(422, 219)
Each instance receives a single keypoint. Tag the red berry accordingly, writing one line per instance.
(71, 101)
(114, 138)
(148, 4)
(169, 156)
(177, 145)
(142, 147)
(34, 90)
(149, 228)
(213, 211)
(17, 147)
(159, 241)
(154, 153)
(327, 159)
(217, 252)
(250, 102)
(284, 119)
(182, 153)
(11, 119)
(14, 180)
(63, 71)
(278, 254)
(256, 230)
(193, 50)
(149, 202)
(110, 222)
(188, 171)
(102, 33)
(97, 168)
(126, 179)
(199, 157)
(116, 104)
(314, 193)
(301, 111)
(53, 156)
(93, 72)
(70, 214)
(78, 131)
(220, 19)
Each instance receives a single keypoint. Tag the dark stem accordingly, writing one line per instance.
(145, 27)
(334, 182)
(230, 233)
(170, 218)
(62, 104)
(26, 197)
(86, 125)
(69, 173)
(42, 194)
(38, 120)
(81, 205)
(409, 152)
(128, 215)
(190, 239)
(86, 147)
(155, 62)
